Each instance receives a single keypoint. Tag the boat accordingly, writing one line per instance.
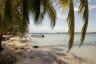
(38, 35)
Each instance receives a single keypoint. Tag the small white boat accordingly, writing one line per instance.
(38, 35)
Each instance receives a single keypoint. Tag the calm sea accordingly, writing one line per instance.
(62, 39)
(59, 43)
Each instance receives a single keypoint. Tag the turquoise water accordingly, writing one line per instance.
(59, 43)
(62, 39)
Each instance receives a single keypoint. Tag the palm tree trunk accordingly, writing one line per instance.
(1, 38)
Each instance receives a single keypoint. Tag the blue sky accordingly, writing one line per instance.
(61, 23)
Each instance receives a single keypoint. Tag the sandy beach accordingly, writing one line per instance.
(24, 53)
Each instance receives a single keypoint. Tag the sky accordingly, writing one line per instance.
(61, 22)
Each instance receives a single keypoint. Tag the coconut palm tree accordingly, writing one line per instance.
(15, 14)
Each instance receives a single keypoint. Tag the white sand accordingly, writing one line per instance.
(26, 54)
(87, 52)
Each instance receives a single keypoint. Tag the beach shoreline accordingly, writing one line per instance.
(24, 52)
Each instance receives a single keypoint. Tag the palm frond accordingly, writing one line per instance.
(16, 16)
(83, 10)
(51, 12)
(1, 10)
(2, 2)
(35, 9)
(68, 4)
(40, 8)
(26, 10)
(23, 18)
(65, 3)
(0, 20)
(8, 15)
(71, 22)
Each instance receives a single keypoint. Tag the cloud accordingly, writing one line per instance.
(91, 7)
(38, 29)
(59, 29)
(62, 16)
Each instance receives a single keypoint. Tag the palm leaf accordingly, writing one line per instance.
(71, 24)
(26, 10)
(51, 12)
(35, 9)
(40, 8)
(23, 18)
(65, 3)
(8, 16)
(2, 2)
(16, 16)
(83, 10)
(68, 4)
(1, 9)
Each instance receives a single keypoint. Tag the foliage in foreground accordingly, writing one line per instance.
(14, 15)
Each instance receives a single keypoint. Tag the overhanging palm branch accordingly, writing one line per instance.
(15, 14)
(65, 3)
(84, 11)
(35, 9)
(71, 23)
(5, 24)
(24, 16)
(1, 13)
(51, 12)
(68, 4)
(40, 8)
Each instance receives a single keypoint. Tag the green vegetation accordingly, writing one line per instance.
(14, 15)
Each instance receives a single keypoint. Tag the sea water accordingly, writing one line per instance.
(62, 39)
(59, 43)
